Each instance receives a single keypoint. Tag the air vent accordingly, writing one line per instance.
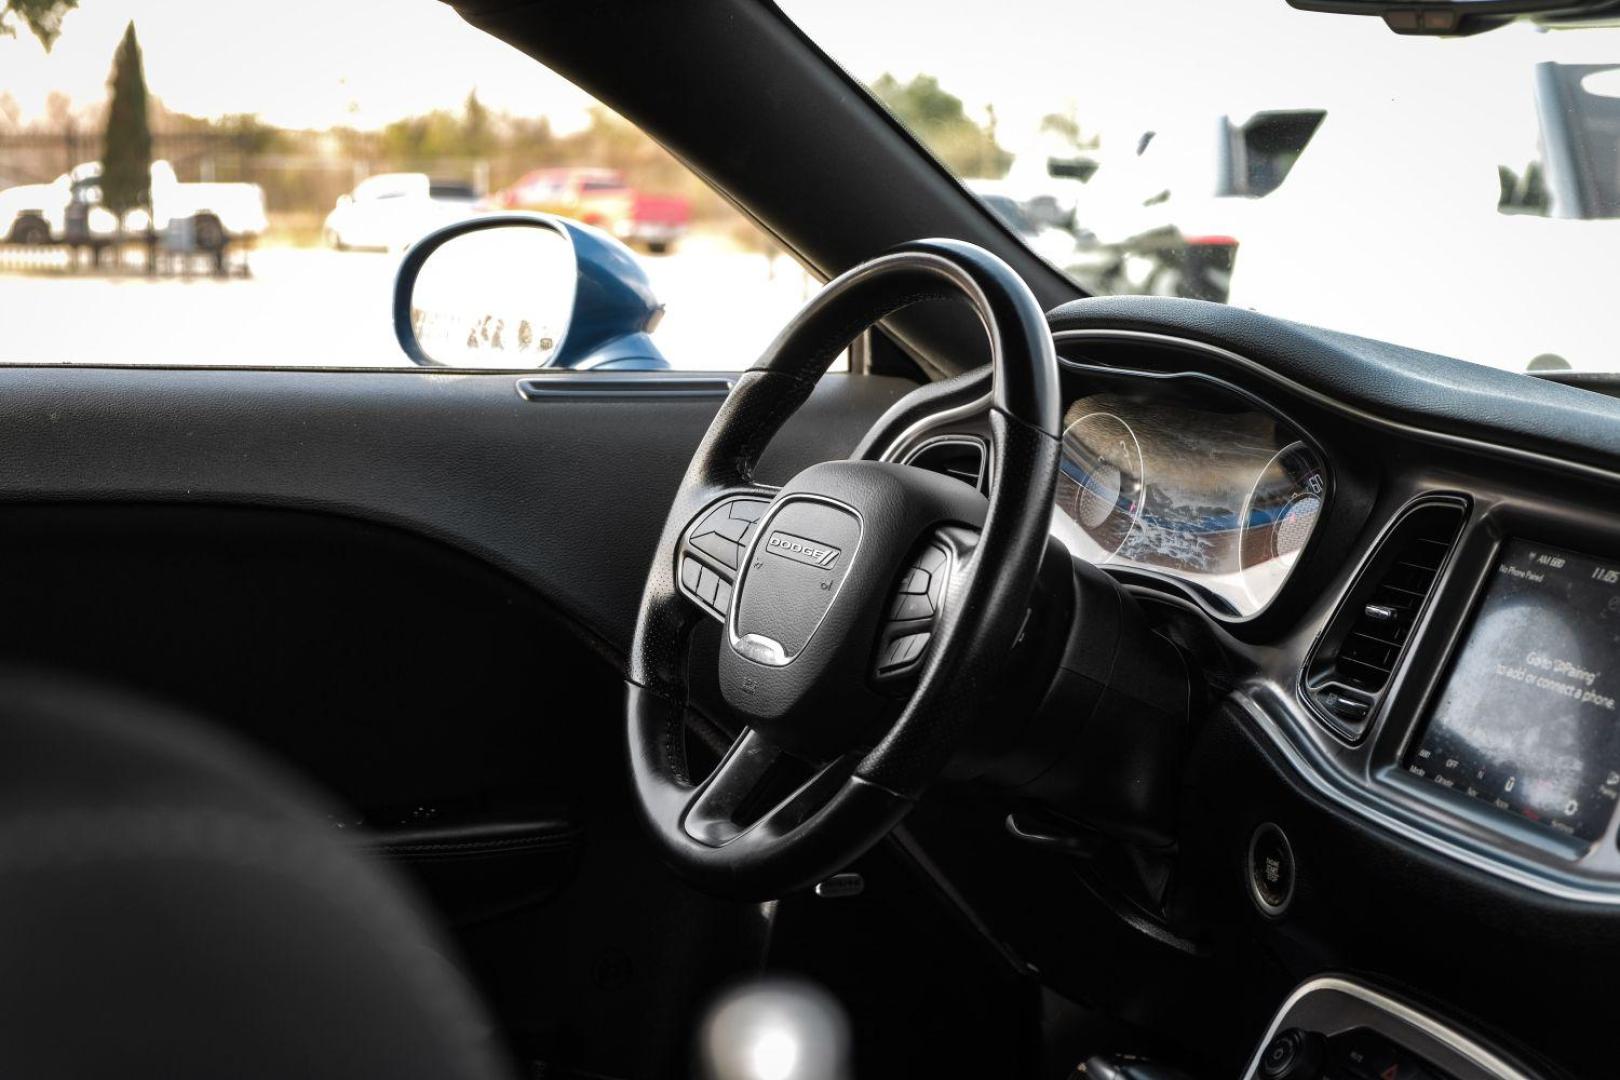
(961, 456)
(1352, 665)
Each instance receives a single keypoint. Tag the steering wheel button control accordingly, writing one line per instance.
(922, 587)
(916, 581)
(712, 552)
(704, 585)
(718, 547)
(707, 584)
(903, 651)
(908, 607)
(910, 625)
(733, 528)
(723, 532)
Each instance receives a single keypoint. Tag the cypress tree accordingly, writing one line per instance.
(126, 160)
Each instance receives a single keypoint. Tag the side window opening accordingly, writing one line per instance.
(263, 219)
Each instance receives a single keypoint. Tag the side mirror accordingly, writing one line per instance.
(525, 291)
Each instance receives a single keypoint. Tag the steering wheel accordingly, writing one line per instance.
(866, 606)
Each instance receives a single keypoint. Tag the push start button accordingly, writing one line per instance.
(1271, 869)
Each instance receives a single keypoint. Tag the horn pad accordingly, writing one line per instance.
(813, 593)
(796, 568)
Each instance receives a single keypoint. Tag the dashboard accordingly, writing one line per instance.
(1430, 640)
(1395, 581)
(1396, 578)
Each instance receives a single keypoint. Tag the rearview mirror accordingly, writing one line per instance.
(1454, 18)
(525, 291)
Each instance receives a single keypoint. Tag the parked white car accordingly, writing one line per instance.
(217, 214)
(390, 211)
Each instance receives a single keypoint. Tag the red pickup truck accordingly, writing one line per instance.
(602, 198)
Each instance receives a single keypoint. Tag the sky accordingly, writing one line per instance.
(296, 63)
(1119, 64)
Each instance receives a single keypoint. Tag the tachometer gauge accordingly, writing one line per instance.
(1278, 518)
(1100, 480)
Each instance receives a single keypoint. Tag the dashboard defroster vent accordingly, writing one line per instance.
(961, 456)
(1352, 664)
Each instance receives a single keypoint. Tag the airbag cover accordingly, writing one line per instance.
(798, 564)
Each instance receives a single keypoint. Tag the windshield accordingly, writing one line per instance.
(1456, 195)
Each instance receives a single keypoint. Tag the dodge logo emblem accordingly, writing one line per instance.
(800, 550)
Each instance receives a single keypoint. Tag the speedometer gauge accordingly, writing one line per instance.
(1100, 480)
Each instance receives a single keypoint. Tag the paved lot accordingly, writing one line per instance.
(325, 308)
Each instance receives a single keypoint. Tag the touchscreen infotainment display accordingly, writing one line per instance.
(1526, 720)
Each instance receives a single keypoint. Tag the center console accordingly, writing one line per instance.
(1335, 1028)
(1467, 690)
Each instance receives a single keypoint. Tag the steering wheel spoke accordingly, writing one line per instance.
(758, 788)
(918, 604)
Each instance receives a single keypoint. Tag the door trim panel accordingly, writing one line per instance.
(568, 494)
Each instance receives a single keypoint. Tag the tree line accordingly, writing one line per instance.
(304, 170)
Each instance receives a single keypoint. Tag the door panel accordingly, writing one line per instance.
(566, 495)
(417, 589)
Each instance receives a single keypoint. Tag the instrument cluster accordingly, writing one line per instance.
(1182, 477)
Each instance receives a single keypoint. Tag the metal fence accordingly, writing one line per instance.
(307, 173)
(42, 259)
(133, 258)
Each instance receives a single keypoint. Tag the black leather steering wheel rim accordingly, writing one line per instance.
(853, 801)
